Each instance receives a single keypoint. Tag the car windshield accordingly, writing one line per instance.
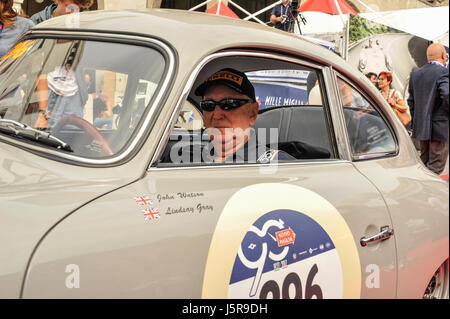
(90, 95)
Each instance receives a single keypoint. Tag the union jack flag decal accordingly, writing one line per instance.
(143, 200)
(151, 213)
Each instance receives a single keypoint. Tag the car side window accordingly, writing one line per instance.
(291, 116)
(82, 94)
(368, 133)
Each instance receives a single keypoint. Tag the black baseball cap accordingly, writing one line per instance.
(232, 78)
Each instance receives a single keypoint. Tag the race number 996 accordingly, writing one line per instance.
(292, 280)
(280, 257)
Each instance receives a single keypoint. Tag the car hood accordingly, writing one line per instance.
(35, 194)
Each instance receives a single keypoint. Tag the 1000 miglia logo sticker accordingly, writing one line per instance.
(286, 254)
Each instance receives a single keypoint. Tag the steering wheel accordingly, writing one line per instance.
(88, 128)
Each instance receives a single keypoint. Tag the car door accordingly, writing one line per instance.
(336, 182)
(417, 199)
(290, 229)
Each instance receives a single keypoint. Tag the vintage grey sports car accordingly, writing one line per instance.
(97, 200)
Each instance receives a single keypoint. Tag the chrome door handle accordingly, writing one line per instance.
(385, 233)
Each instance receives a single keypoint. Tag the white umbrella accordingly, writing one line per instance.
(427, 23)
(442, 39)
(319, 22)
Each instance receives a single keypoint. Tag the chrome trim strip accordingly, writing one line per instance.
(298, 163)
(166, 135)
(77, 33)
(340, 129)
(165, 83)
(379, 155)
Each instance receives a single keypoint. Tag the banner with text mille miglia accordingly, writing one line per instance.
(280, 87)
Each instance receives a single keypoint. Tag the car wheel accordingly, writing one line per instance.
(439, 284)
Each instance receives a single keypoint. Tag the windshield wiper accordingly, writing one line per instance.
(26, 131)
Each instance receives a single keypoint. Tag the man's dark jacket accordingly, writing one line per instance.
(428, 103)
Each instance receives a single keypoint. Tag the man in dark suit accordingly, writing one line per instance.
(429, 107)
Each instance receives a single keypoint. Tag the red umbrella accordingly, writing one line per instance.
(327, 6)
(223, 11)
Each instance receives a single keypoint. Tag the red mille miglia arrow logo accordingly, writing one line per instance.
(285, 237)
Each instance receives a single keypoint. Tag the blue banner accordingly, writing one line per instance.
(270, 95)
(280, 87)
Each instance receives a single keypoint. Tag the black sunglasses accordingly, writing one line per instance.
(225, 104)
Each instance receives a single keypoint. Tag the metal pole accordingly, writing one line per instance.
(340, 13)
(345, 31)
(262, 10)
(245, 11)
(347, 38)
(218, 7)
(200, 5)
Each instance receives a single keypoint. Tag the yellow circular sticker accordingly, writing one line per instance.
(281, 241)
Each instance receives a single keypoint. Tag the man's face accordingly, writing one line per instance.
(242, 117)
(374, 80)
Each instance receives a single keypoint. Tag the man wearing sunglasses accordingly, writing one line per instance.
(229, 111)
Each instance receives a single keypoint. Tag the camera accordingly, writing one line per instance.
(295, 12)
(292, 17)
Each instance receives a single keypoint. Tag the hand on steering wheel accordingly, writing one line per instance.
(88, 128)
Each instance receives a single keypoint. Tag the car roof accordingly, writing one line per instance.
(187, 29)
(195, 35)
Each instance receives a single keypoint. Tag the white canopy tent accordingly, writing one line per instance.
(318, 22)
(443, 39)
(428, 23)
